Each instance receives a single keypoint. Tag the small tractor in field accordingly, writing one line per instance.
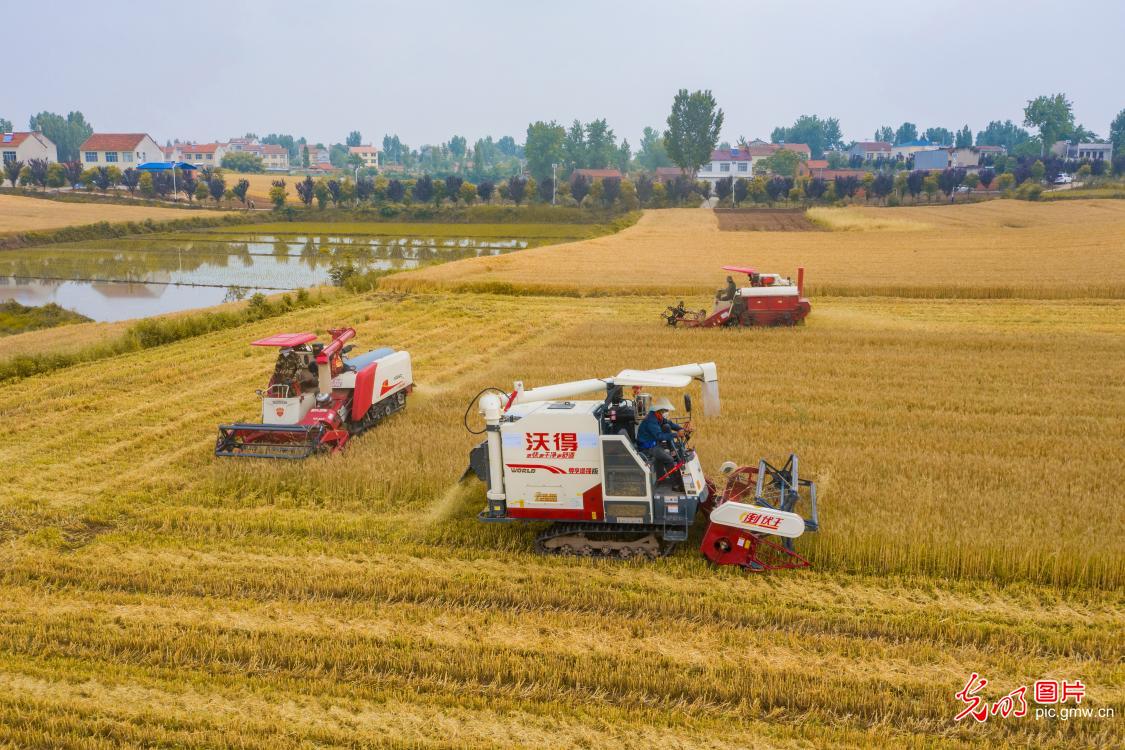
(770, 300)
(317, 398)
(592, 469)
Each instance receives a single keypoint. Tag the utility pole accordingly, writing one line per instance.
(554, 183)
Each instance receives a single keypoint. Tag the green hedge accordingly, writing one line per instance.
(117, 199)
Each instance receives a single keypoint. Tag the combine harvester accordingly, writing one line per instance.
(770, 300)
(317, 398)
(578, 464)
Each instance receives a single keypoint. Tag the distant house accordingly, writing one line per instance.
(369, 154)
(811, 167)
(26, 146)
(274, 158)
(902, 151)
(727, 162)
(121, 150)
(869, 150)
(944, 158)
(317, 154)
(201, 154)
(1090, 151)
(668, 174)
(595, 174)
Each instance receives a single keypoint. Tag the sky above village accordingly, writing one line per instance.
(210, 70)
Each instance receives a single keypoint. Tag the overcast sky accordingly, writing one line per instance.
(209, 69)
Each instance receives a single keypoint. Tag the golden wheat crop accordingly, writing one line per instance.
(19, 214)
(967, 453)
(995, 249)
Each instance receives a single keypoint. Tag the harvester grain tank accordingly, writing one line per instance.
(318, 398)
(770, 300)
(580, 465)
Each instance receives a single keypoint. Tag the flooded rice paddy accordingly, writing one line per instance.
(134, 277)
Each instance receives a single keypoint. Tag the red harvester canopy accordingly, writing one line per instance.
(285, 340)
(741, 269)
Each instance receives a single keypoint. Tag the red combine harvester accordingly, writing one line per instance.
(770, 300)
(317, 398)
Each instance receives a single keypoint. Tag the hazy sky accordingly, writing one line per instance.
(205, 70)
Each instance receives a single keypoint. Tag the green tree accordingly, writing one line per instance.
(277, 193)
(820, 135)
(321, 193)
(940, 136)
(624, 156)
(741, 190)
(782, 162)
(885, 134)
(56, 175)
(12, 170)
(972, 180)
(145, 185)
(5, 126)
(1052, 115)
(652, 153)
(130, 178)
(1117, 133)
(930, 187)
(724, 188)
(354, 139)
(1006, 134)
(242, 161)
(240, 189)
(66, 133)
(1005, 182)
(693, 129)
(601, 145)
(305, 158)
(217, 186)
(457, 147)
(306, 191)
(544, 147)
(468, 193)
(574, 146)
(1038, 170)
(201, 191)
(906, 132)
(964, 138)
(517, 188)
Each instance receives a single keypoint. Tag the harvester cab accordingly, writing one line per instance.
(583, 465)
(769, 299)
(317, 398)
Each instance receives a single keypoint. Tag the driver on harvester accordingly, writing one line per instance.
(655, 434)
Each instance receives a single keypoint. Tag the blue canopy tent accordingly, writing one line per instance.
(164, 166)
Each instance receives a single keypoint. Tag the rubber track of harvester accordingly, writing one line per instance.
(584, 533)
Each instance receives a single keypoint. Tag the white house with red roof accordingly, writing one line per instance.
(727, 162)
(26, 146)
(201, 154)
(868, 150)
(121, 150)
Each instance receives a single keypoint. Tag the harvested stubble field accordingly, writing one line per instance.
(19, 214)
(994, 249)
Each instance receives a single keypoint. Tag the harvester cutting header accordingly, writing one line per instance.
(618, 477)
(770, 300)
(317, 398)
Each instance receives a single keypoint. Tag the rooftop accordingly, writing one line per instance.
(112, 141)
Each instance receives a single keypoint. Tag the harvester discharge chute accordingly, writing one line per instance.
(318, 398)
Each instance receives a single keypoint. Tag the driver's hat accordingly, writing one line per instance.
(661, 404)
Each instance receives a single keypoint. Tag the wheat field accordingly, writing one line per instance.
(996, 249)
(967, 452)
(19, 214)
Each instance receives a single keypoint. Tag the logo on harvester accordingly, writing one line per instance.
(280, 411)
(761, 521)
(550, 444)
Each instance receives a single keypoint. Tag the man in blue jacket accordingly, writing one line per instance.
(655, 433)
